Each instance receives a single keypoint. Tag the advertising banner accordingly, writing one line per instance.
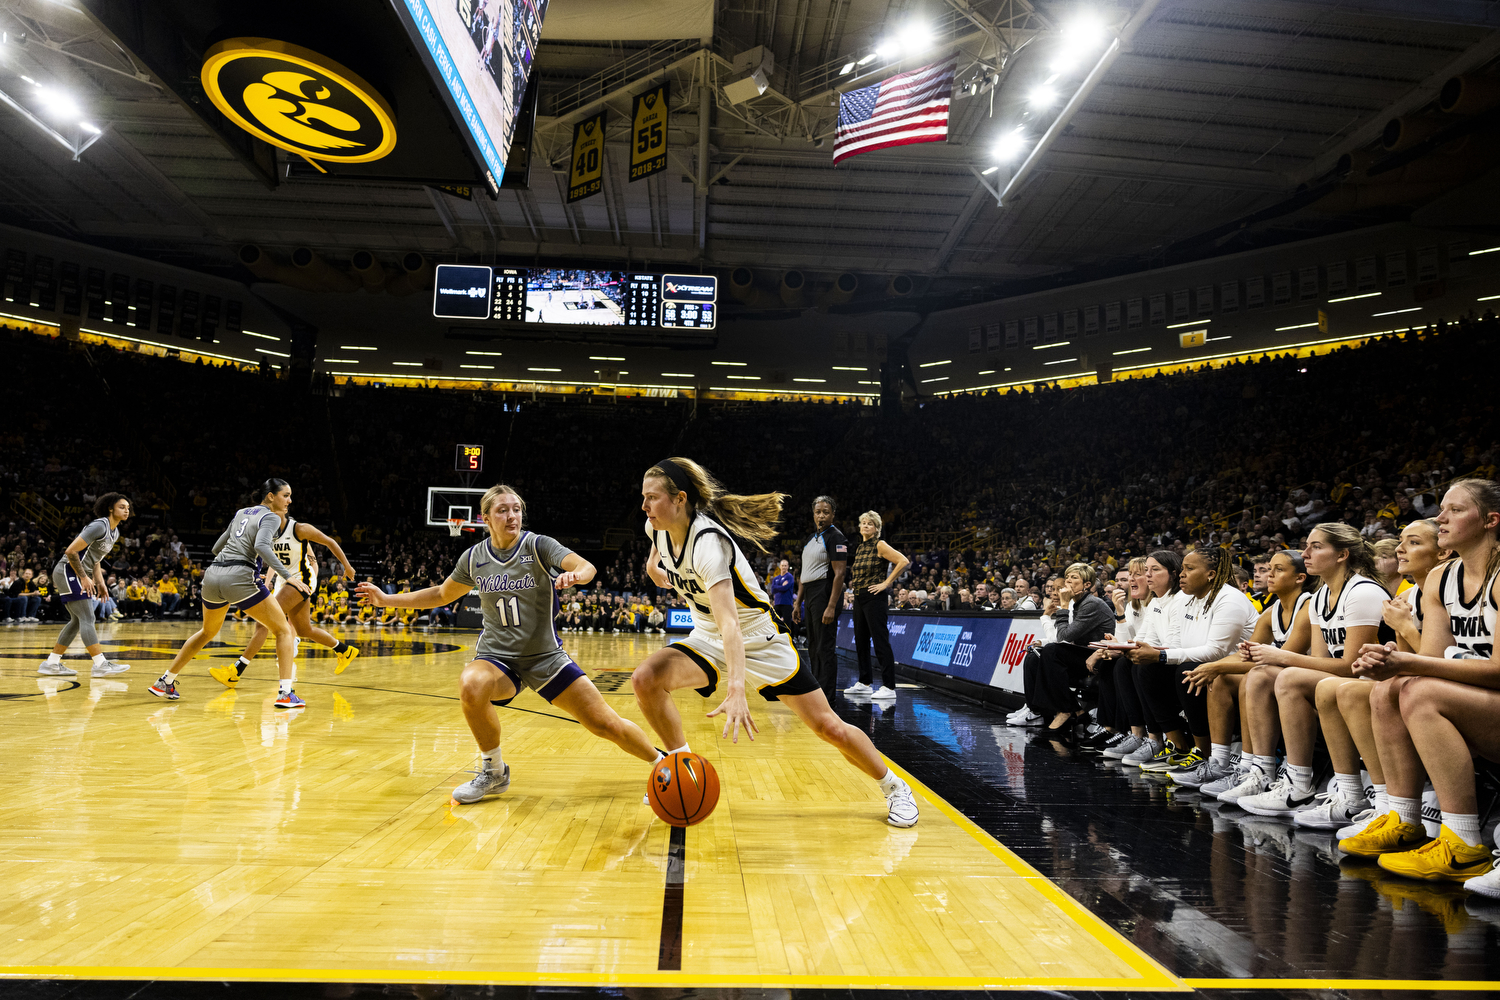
(980, 648)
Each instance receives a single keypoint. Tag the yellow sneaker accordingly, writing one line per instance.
(345, 658)
(1446, 859)
(1385, 833)
(227, 676)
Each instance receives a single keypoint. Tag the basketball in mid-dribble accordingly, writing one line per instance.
(683, 789)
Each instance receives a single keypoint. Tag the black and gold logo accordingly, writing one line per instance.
(298, 100)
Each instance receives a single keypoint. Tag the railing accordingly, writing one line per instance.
(39, 511)
(633, 67)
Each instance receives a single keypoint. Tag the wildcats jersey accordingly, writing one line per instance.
(296, 554)
(1280, 635)
(1472, 624)
(708, 556)
(1361, 602)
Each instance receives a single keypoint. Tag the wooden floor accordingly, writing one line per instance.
(217, 838)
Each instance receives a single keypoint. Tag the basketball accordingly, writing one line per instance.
(683, 789)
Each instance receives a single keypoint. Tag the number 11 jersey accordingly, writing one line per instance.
(515, 592)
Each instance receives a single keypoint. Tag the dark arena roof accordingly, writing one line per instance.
(1145, 349)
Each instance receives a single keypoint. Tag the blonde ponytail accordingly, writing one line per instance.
(754, 517)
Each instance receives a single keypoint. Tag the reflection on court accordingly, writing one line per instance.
(216, 837)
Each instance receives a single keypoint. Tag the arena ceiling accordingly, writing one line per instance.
(1219, 125)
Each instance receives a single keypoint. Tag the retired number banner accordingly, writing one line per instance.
(648, 133)
(587, 174)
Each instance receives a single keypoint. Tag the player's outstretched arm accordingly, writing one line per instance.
(576, 571)
(428, 597)
(314, 535)
(654, 571)
(734, 707)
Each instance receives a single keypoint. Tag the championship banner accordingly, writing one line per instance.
(648, 130)
(982, 649)
(587, 175)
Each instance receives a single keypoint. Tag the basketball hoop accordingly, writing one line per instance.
(455, 525)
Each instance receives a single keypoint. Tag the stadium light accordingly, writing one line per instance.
(1085, 32)
(1042, 97)
(59, 103)
(911, 39)
(1010, 146)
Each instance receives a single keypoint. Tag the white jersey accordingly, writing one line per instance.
(708, 556)
(1361, 602)
(1472, 623)
(1279, 635)
(296, 554)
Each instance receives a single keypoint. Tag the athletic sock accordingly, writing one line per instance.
(1410, 810)
(1301, 778)
(286, 686)
(890, 782)
(1465, 825)
(492, 760)
(1219, 753)
(681, 749)
(99, 659)
(1349, 786)
(166, 678)
(241, 665)
(341, 646)
(54, 657)
(1265, 764)
(1380, 801)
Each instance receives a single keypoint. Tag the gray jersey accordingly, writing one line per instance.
(247, 541)
(515, 590)
(101, 538)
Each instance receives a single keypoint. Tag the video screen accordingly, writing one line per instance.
(575, 298)
(482, 52)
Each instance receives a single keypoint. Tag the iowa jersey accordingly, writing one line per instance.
(1279, 635)
(1472, 623)
(1361, 602)
(296, 554)
(708, 556)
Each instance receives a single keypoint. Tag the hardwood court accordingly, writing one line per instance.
(218, 838)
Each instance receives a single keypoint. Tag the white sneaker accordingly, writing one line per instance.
(1023, 716)
(109, 667)
(884, 694)
(484, 783)
(858, 687)
(1280, 801)
(902, 808)
(1487, 884)
(1357, 825)
(1330, 812)
(57, 670)
(1238, 768)
(1125, 747)
(1147, 750)
(1254, 783)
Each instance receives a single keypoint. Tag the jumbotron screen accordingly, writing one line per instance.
(481, 51)
(570, 296)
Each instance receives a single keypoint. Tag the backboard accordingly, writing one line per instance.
(444, 502)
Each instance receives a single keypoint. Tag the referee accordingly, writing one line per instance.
(820, 592)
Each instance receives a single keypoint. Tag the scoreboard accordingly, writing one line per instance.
(575, 297)
(468, 458)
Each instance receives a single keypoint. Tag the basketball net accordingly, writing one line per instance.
(455, 525)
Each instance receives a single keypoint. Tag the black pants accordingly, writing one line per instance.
(820, 648)
(1031, 681)
(1194, 706)
(1062, 672)
(1155, 682)
(1119, 702)
(869, 624)
(784, 612)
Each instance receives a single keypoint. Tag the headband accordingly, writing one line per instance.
(680, 479)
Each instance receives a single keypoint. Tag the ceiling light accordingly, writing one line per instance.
(1487, 298)
(1059, 361)
(1299, 326)
(730, 364)
(809, 380)
(746, 378)
(868, 59)
(29, 80)
(989, 371)
(1195, 322)
(934, 364)
(1133, 350)
(596, 357)
(1010, 145)
(1394, 312)
(262, 336)
(1042, 97)
(911, 39)
(848, 67)
(1086, 31)
(485, 367)
(339, 361)
(544, 369)
(941, 378)
(987, 172)
(1043, 347)
(351, 347)
(489, 354)
(863, 382)
(1351, 298)
(677, 375)
(91, 129)
(847, 368)
(59, 103)
(407, 364)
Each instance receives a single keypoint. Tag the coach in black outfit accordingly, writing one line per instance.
(820, 592)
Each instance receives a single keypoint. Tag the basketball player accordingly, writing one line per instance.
(241, 555)
(516, 573)
(294, 548)
(78, 576)
(1435, 710)
(735, 638)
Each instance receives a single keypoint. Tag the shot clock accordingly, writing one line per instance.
(469, 458)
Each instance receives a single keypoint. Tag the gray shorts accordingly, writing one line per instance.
(237, 585)
(548, 674)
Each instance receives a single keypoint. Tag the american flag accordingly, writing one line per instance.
(907, 108)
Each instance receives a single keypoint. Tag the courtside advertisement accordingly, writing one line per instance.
(982, 650)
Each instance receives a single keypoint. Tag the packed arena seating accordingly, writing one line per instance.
(1025, 482)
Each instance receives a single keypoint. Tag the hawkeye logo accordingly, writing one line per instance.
(298, 100)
